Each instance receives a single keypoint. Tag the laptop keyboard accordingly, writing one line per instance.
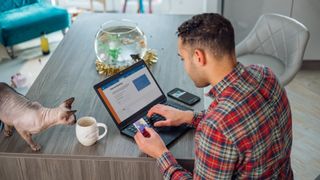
(150, 121)
(156, 117)
(177, 106)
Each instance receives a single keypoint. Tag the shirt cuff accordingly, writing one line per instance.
(165, 161)
(197, 118)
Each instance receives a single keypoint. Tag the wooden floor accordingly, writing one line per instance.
(304, 97)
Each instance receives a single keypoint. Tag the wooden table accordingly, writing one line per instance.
(71, 72)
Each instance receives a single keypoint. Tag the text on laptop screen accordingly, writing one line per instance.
(129, 92)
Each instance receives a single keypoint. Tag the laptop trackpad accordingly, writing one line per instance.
(168, 134)
(164, 129)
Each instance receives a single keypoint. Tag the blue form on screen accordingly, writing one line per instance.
(141, 82)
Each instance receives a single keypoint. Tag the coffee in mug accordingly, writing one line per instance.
(87, 130)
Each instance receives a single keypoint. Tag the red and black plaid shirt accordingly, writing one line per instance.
(244, 134)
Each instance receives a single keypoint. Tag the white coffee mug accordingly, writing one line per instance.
(87, 130)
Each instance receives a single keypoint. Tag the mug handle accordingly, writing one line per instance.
(105, 130)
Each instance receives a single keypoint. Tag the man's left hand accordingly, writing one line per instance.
(153, 145)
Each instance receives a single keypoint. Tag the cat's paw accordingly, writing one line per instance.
(35, 147)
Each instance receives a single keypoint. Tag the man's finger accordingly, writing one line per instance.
(138, 137)
(150, 131)
(153, 110)
(156, 109)
(162, 123)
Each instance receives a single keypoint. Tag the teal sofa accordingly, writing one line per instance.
(22, 20)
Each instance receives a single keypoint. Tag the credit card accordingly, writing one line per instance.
(140, 125)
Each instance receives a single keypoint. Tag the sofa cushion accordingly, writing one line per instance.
(28, 22)
(7, 5)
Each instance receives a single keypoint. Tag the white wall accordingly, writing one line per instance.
(159, 6)
(308, 12)
(213, 6)
(186, 6)
(174, 6)
(244, 13)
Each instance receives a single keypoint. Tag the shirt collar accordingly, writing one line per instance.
(226, 81)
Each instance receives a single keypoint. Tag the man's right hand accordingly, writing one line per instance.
(174, 117)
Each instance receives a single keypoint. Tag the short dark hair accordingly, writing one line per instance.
(209, 30)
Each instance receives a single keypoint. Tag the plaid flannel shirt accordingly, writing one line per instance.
(246, 133)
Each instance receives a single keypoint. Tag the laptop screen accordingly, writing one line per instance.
(127, 92)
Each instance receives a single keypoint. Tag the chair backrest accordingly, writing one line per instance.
(7, 5)
(278, 36)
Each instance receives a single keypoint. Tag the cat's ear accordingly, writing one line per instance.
(67, 103)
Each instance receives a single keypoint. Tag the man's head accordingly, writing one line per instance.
(205, 39)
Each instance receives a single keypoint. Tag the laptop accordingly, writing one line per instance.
(129, 94)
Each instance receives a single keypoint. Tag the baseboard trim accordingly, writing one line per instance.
(310, 65)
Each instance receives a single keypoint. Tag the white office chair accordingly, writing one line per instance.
(276, 41)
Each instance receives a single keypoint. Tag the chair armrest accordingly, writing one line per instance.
(290, 73)
(241, 49)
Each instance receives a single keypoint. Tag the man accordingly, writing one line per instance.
(246, 131)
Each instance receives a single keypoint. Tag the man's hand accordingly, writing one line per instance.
(174, 117)
(153, 145)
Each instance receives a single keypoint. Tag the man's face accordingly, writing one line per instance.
(192, 67)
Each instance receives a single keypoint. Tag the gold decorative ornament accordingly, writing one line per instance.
(150, 58)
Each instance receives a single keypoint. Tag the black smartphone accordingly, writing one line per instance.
(183, 96)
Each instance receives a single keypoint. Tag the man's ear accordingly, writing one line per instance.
(200, 57)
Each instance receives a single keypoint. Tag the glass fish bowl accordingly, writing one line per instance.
(119, 43)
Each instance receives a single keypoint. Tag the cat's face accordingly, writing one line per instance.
(66, 115)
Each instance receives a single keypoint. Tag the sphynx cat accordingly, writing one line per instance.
(30, 117)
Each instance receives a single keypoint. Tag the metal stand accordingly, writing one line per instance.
(11, 52)
(64, 31)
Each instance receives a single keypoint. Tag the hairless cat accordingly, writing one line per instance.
(30, 117)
